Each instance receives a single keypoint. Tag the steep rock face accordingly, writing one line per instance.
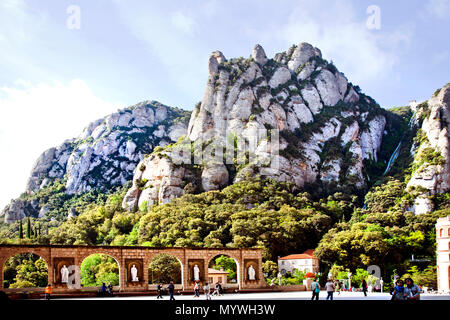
(293, 118)
(108, 150)
(105, 154)
(432, 152)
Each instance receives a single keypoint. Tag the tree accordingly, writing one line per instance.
(271, 268)
(164, 268)
(425, 278)
(31, 272)
(361, 274)
(99, 268)
(228, 264)
(28, 228)
(20, 230)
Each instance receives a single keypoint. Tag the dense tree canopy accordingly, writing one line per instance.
(98, 269)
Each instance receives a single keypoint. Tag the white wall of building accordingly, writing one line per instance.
(443, 254)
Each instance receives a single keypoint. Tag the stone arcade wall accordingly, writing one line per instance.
(56, 256)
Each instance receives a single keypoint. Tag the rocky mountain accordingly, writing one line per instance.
(431, 149)
(103, 156)
(294, 118)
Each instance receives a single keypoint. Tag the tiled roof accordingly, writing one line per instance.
(308, 254)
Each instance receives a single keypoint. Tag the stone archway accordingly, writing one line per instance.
(58, 255)
(224, 281)
(165, 267)
(30, 261)
(101, 258)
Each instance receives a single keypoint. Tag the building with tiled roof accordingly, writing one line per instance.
(305, 262)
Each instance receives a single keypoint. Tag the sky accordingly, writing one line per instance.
(64, 64)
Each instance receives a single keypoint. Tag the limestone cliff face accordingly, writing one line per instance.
(105, 154)
(431, 167)
(296, 114)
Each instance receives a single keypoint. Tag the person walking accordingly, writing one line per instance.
(216, 290)
(171, 288)
(338, 287)
(197, 289)
(412, 290)
(48, 291)
(315, 287)
(159, 289)
(110, 289)
(207, 290)
(399, 291)
(364, 287)
(330, 289)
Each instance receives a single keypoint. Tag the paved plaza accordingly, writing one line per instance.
(280, 296)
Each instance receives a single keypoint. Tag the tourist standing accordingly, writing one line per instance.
(315, 287)
(330, 289)
(103, 289)
(220, 290)
(207, 290)
(412, 290)
(159, 289)
(48, 291)
(171, 288)
(364, 287)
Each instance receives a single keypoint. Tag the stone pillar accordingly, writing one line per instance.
(2, 265)
(241, 274)
(123, 272)
(185, 270)
(146, 262)
(51, 278)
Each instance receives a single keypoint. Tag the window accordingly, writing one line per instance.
(282, 263)
(440, 232)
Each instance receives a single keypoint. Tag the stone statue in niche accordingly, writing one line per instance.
(196, 273)
(64, 274)
(134, 274)
(251, 273)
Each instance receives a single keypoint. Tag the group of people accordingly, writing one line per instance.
(170, 289)
(406, 290)
(218, 290)
(330, 287)
(106, 290)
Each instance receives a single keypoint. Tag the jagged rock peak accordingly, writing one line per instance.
(259, 55)
(302, 53)
(215, 59)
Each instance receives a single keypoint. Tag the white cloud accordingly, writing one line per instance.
(438, 8)
(35, 117)
(183, 23)
(171, 41)
(341, 34)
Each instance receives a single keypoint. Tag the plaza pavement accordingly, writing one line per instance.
(302, 295)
